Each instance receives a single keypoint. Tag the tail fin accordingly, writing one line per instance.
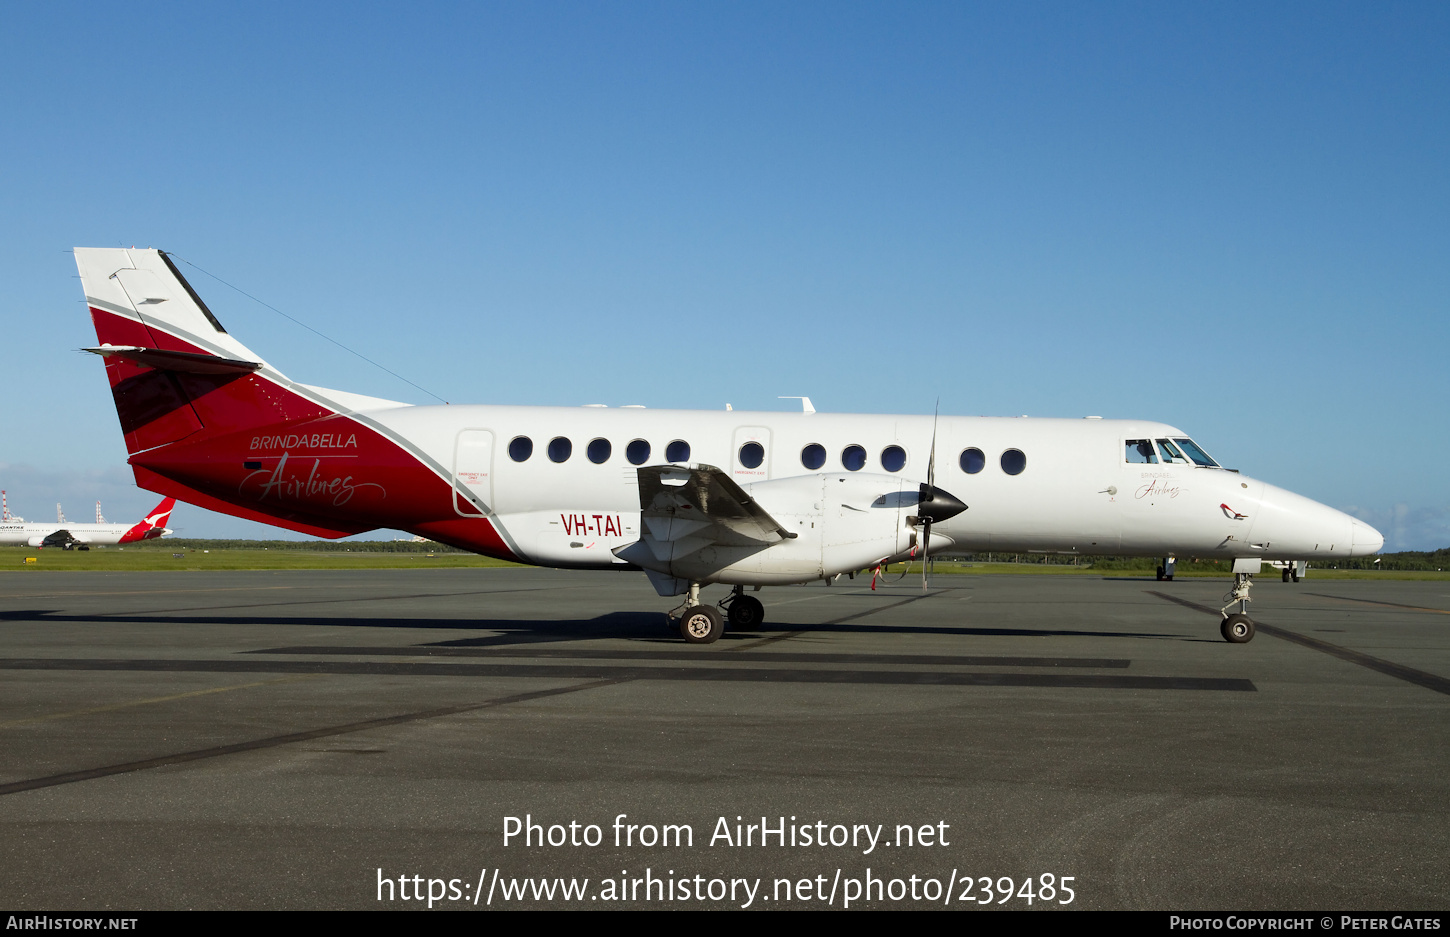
(194, 401)
(153, 525)
(173, 369)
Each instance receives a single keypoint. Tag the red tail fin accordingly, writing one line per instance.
(153, 525)
(174, 371)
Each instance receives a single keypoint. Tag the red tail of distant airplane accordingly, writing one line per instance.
(153, 525)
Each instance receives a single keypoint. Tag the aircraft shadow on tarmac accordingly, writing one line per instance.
(638, 626)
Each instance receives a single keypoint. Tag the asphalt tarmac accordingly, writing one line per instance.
(259, 740)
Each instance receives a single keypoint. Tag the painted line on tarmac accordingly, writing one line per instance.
(1400, 672)
(1345, 598)
(155, 699)
(53, 595)
(276, 740)
(446, 650)
(583, 671)
(342, 601)
(834, 621)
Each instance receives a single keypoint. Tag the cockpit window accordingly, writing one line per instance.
(1196, 454)
(1171, 454)
(1140, 451)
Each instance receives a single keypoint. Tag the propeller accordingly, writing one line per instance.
(933, 504)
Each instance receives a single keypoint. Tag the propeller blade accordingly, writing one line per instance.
(925, 542)
(931, 459)
(933, 504)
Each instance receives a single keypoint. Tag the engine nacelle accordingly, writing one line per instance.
(842, 522)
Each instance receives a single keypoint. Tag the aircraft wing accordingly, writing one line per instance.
(685, 509)
(60, 538)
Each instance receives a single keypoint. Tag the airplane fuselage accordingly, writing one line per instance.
(29, 534)
(690, 497)
(573, 498)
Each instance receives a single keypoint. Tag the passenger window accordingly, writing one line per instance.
(560, 448)
(637, 452)
(973, 460)
(1171, 453)
(813, 456)
(1013, 461)
(1140, 452)
(521, 448)
(893, 458)
(599, 450)
(853, 458)
(752, 454)
(1196, 454)
(677, 451)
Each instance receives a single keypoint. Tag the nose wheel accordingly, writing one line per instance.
(1238, 628)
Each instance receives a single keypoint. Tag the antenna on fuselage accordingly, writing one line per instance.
(806, 406)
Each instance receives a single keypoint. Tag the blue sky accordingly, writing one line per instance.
(1230, 217)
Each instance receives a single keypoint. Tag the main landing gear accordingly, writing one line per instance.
(744, 611)
(1165, 571)
(1238, 628)
(704, 624)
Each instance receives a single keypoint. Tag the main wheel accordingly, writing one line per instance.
(1295, 575)
(746, 613)
(1286, 575)
(702, 624)
(1238, 629)
(1160, 574)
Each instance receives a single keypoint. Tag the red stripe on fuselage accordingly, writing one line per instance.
(329, 472)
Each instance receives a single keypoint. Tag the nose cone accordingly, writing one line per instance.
(1366, 539)
(937, 504)
(1295, 527)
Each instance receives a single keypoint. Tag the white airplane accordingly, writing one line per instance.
(14, 531)
(689, 497)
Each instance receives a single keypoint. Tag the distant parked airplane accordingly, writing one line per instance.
(15, 531)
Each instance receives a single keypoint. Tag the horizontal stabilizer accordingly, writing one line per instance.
(183, 361)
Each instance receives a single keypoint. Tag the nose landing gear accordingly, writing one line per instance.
(1238, 628)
